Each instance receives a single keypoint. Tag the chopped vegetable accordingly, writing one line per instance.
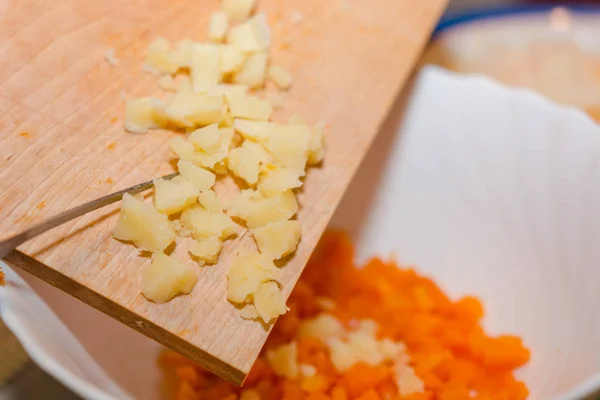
(143, 225)
(280, 77)
(223, 129)
(217, 28)
(238, 9)
(207, 249)
(400, 335)
(166, 277)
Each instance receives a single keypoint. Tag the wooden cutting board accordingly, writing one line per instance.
(62, 141)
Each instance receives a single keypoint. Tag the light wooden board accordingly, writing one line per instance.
(62, 142)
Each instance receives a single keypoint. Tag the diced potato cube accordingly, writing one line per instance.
(211, 160)
(316, 146)
(183, 148)
(227, 122)
(275, 180)
(231, 59)
(199, 177)
(289, 145)
(181, 56)
(408, 382)
(238, 10)
(205, 224)
(207, 138)
(249, 312)
(391, 350)
(368, 326)
(307, 370)
(229, 90)
(158, 58)
(342, 355)
(180, 230)
(208, 249)
(250, 107)
(366, 348)
(195, 109)
(284, 360)
(269, 301)
(166, 277)
(205, 71)
(166, 82)
(257, 131)
(245, 161)
(258, 210)
(246, 274)
(214, 159)
(142, 114)
(322, 327)
(143, 225)
(208, 199)
(280, 77)
(173, 195)
(252, 35)
(217, 26)
(278, 239)
(254, 71)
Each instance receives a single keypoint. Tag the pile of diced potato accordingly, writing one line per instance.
(214, 98)
(347, 347)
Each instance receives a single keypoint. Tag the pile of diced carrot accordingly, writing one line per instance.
(448, 349)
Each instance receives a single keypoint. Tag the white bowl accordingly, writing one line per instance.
(489, 190)
(529, 47)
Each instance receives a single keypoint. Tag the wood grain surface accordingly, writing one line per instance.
(62, 141)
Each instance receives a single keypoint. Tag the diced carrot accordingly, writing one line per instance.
(291, 390)
(339, 393)
(173, 359)
(387, 389)
(308, 348)
(186, 392)
(519, 391)
(446, 345)
(419, 396)
(220, 390)
(322, 362)
(452, 393)
(318, 396)
(287, 324)
(315, 383)
(362, 377)
(459, 371)
(369, 395)
(504, 352)
(267, 391)
(260, 370)
(469, 308)
(188, 374)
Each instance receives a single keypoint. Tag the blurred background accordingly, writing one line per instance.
(553, 49)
